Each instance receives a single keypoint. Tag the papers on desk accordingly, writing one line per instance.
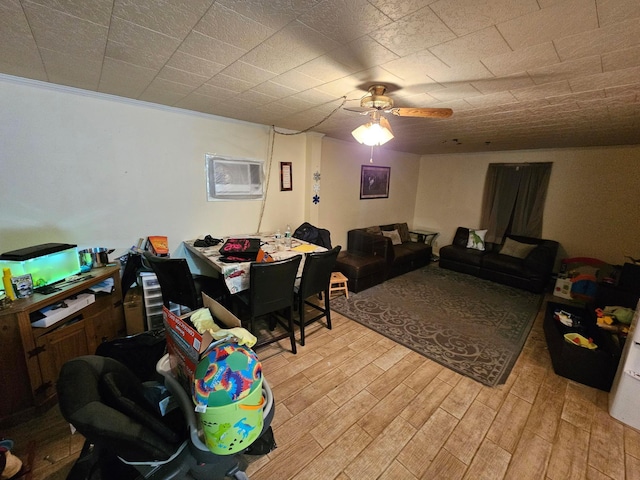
(106, 286)
(305, 248)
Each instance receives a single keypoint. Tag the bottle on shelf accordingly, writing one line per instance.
(8, 287)
(287, 236)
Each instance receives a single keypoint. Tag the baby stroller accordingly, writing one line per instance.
(126, 439)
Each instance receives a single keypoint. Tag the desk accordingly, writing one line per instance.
(236, 275)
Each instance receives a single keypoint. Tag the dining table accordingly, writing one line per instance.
(209, 261)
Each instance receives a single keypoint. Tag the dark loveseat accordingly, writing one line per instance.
(372, 257)
(530, 272)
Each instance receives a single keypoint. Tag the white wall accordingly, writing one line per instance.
(591, 206)
(341, 207)
(96, 170)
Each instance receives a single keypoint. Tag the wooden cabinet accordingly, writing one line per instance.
(31, 358)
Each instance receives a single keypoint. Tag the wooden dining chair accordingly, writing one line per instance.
(179, 286)
(270, 293)
(316, 279)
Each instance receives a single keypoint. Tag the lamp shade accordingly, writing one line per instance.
(376, 132)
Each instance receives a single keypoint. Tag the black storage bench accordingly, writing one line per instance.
(595, 368)
(363, 271)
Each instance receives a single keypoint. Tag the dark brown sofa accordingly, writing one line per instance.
(372, 257)
(533, 272)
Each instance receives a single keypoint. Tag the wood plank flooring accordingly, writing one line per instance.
(354, 405)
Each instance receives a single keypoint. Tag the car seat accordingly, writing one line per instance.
(111, 408)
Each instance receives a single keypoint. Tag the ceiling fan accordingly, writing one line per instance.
(374, 104)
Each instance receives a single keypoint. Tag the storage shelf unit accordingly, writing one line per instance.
(152, 296)
(32, 357)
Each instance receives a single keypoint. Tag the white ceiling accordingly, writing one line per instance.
(518, 74)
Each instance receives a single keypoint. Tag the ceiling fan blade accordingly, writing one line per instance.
(422, 112)
(385, 123)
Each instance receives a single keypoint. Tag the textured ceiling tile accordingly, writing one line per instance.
(542, 91)
(136, 56)
(502, 84)
(18, 52)
(292, 46)
(160, 94)
(396, 9)
(257, 97)
(181, 76)
(499, 98)
(182, 61)
(52, 30)
(344, 20)
(467, 73)
(160, 16)
(96, 11)
(142, 38)
(274, 90)
(214, 91)
(124, 79)
(577, 97)
(475, 46)
(612, 11)
(296, 80)
(342, 86)
(362, 53)
(627, 76)
(413, 33)
(522, 59)
(565, 70)
(175, 88)
(557, 21)
(415, 67)
(201, 46)
(79, 72)
(233, 28)
(273, 13)
(597, 42)
(455, 93)
(229, 83)
(619, 59)
(248, 73)
(323, 69)
(197, 102)
(465, 16)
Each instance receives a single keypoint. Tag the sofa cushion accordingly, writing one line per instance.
(375, 230)
(403, 230)
(394, 236)
(513, 248)
(462, 255)
(476, 239)
(502, 263)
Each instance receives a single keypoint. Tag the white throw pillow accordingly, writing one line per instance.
(394, 236)
(476, 239)
(516, 249)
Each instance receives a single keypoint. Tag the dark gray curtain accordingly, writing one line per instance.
(514, 198)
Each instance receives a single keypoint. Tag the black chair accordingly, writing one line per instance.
(270, 291)
(315, 280)
(179, 286)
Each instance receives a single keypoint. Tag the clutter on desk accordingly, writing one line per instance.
(158, 245)
(105, 286)
(208, 241)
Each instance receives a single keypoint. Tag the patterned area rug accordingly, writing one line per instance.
(473, 326)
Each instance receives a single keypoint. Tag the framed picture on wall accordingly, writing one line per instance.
(286, 181)
(374, 182)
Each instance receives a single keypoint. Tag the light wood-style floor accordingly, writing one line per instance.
(354, 405)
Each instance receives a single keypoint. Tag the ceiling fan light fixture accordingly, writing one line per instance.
(372, 134)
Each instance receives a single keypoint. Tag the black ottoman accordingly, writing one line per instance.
(363, 271)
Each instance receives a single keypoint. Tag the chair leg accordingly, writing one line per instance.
(327, 308)
(292, 336)
(301, 315)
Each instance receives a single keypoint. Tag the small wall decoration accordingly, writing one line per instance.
(316, 188)
(286, 181)
(374, 182)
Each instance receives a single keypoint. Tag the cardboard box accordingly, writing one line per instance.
(185, 345)
(134, 311)
(563, 288)
(62, 310)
